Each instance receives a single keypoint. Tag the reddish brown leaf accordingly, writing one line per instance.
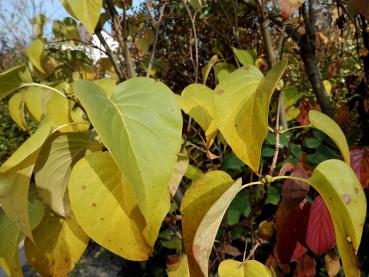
(320, 237)
(343, 116)
(293, 192)
(172, 259)
(332, 263)
(298, 252)
(288, 7)
(305, 267)
(305, 107)
(359, 157)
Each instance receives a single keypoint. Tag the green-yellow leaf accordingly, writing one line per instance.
(178, 173)
(250, 268)
(343, 194)
(222, 70)
(197, 200)
(208, 228)
(328, 126)
(241, 110)
(16, 109)
(196, 100)
(34, 52)
(108, 85)
(59, 243)
(36, 101)
(179, 269)
(11, 79)
(205, 71)
(54, 165)
(141, 126)
(106, 208)
(86, 11)
(11, 236)
(245, 57)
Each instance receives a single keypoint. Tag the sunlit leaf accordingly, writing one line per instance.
(205, 71)
(106, 208)
(36, 101)
(328, 126)
(178, 173)
(245, 57)
(197, 200)
(222, 70)
(242, 107)
(141, 126)
(86, 11)
(34, 52)
(179, 269)
(59, 243)
(11, 79)
(208, 228)
(250, 268)
(16, 109)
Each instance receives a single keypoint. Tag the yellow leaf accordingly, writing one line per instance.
(208, 228)
(34, 52)
(108, 85)
(16, 109)
(11, 79)
(106, 208)
(207, 68)
(242, 107)
(250, 268)
(328, 126)
(59, 243)
(178, 173)
(36, 101)
(179, 269)
(197, 200)
(328, 87)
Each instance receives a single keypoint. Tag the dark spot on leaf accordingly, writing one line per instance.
(102, 219)
(220, 92)
(83, 187)
(93, 205)
(356, 190)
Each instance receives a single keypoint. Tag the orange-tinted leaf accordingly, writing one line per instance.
(320, 236)
(288, 7)
(359, 157)
(305, 267)
(332, 263)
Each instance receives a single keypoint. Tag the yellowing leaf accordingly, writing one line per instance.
(106, 208)
(16, 109)
(222, 70)
(342, 193)
(86, 11)
(108, 85)
(205, 71)
(11, 236)
(250, 268)
(141, 126)
(328, 126)
(36, 101)
(197, 200)
(54, 165)
(11, 79)
(178, 173)
(196, 100)
(208, 228)
(242, 107)
(328, 87)
(34, 52)
(245, 57)
(59, 243)
(179, 269)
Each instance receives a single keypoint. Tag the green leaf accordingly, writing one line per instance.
(11, 79)
(337, 183)
(222, 70)
(66, 30)
(328, 126)
(250, 268)
(208, 228)
(103, 202)
(291, 95)
(197, 200)
(86, 11)
(245, 57)
(141, 126)
(16, 109)
(11, 236)
(15, 175)
(312, 143)
(241, 110)
(54, 165)
(34, 52)
(59, 243)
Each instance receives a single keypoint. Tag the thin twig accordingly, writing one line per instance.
(193, 23)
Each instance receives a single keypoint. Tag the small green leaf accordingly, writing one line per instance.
(245, 57)
(11, 79)
(311, 142)
(331, 129)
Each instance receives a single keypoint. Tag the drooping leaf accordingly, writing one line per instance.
(320, 235)
(360, 164)
(34, 52)
(105, 207)
(11, 79)
(328, 126)
(197, 200)
(205, 71)
(250, 268)
(141, 126)
(196, 100)
(179, 269)
(15, 175)
(245, 57)
(16, 109)
(241, 110)
(54, 165)
(208, 228)
(11, 236)
(59, 243)
(86, 11)
(345, 199)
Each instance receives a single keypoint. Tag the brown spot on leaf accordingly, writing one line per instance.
(220, 92)
(93, 205)
(83, 187)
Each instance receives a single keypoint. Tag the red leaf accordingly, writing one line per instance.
(288, 7)
(293, 192)
(320, 235)
(305, 267)
(359, 157)
(298, 252)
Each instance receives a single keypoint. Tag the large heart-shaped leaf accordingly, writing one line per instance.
(141, 125)
(250, 268)
(197, 200)
(11, 79)
(86, 11)
(106, 208)
(242, 107)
